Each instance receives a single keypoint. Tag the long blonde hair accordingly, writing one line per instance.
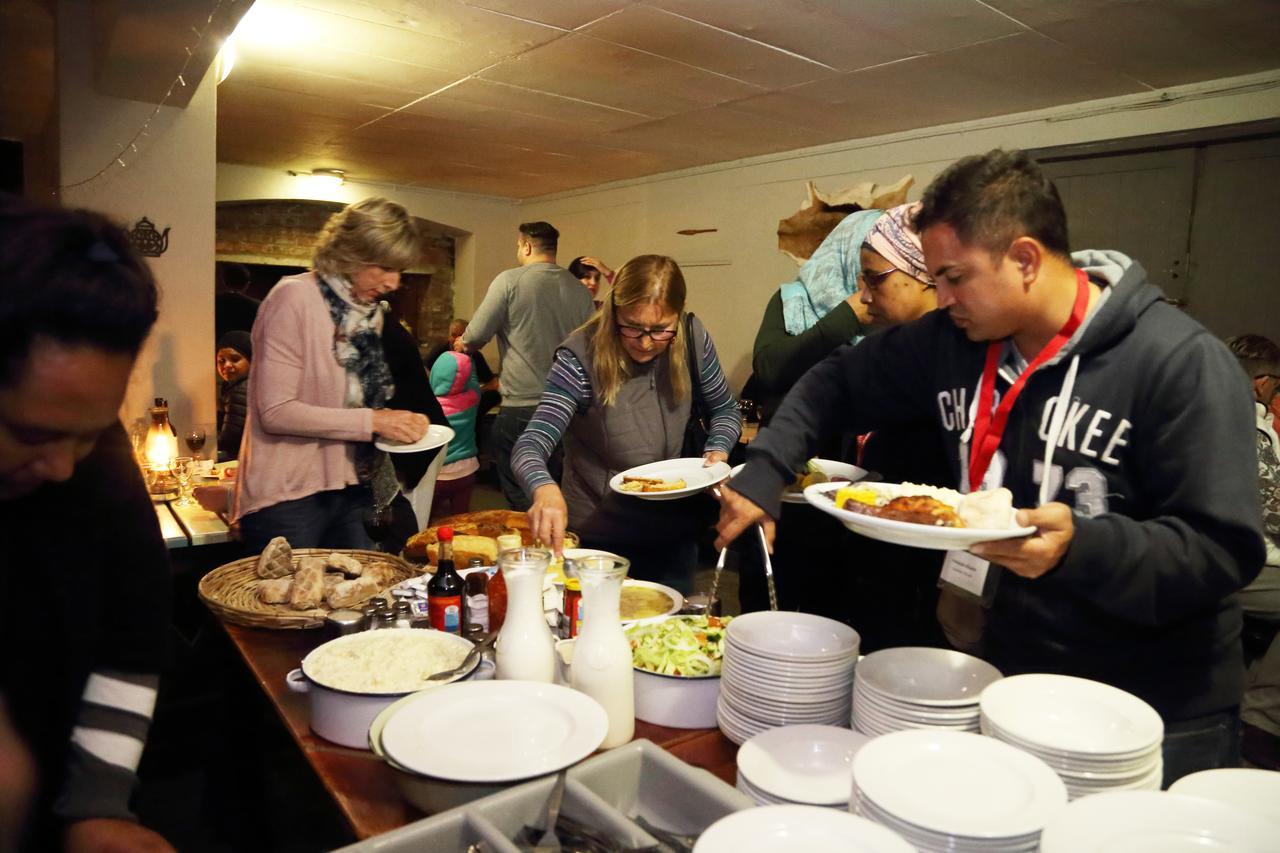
(372, 232)
(643, 280)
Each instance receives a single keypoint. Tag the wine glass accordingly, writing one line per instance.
(183, 468)
(195, 438)
(377, 523)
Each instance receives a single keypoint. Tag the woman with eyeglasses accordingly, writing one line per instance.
(619, 394)
(892, 280)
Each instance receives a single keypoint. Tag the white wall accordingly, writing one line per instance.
(487, 247)
(170, 180)
(732, 273)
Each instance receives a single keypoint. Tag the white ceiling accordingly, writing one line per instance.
(520, 98)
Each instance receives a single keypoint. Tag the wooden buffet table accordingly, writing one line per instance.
(360, 783)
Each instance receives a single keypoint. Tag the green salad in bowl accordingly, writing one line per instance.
(681, 646)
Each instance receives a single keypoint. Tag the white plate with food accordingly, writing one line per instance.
(437, 435)
(529, 729)
(816, 471)
(920, 516)
(669, 479)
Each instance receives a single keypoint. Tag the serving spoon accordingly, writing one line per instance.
(474, 652)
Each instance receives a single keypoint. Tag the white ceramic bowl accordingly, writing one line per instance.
(675, 701)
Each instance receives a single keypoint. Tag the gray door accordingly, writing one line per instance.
(1235, 242)
(1139, 204)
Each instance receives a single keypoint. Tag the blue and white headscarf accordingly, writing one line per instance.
(830, 276)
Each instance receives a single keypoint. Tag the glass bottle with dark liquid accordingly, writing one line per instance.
(445, 589)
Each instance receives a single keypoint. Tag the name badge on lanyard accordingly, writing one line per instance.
(961, 569)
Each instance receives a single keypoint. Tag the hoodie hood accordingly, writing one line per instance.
(454, 382)
(1127, 295)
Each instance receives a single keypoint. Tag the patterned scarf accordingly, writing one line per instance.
(357, 347)
(895, 239)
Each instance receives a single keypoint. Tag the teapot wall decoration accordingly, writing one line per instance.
(147, 240)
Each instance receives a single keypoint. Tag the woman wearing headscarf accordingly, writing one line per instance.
(319, 385)
(233, 356)
(808, 318)
(620, 393)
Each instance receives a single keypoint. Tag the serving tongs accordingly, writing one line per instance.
(768, 564)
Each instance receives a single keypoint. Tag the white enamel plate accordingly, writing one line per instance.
(905, 532)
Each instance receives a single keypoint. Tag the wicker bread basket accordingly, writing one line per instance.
(230, 591)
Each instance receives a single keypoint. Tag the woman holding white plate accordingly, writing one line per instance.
(319, 386)
(620, 395)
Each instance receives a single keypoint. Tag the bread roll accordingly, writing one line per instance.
(274, 591)
(276, 560)
(345, 563)
(349, 593)
(331, 579)
(308, 584)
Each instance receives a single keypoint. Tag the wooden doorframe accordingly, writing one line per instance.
(1239, 132)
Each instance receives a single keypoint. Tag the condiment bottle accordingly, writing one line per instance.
(497, 590)
(572, 606)
(602, 654)
(526, 648)
(478, 601)
(444, 591)
(404, 616)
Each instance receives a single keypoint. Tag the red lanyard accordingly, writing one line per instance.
(988, 429)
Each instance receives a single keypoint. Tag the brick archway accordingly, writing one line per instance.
(281, 233)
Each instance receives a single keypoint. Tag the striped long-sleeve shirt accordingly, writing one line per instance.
(568, 392)
(86, 561)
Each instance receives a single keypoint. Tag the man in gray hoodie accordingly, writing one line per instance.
(531, 309)
(1128, 444)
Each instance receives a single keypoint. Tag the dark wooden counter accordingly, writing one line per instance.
(361, 784)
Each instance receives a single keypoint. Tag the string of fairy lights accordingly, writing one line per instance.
(130, 148)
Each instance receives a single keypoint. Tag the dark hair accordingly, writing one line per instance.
(1258, 355)
(541, 235)
(993, 199)
(72, 276)
(578, 269)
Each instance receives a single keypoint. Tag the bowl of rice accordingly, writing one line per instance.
(350, 680)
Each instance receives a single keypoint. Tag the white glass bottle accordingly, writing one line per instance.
(525, 649)
(602, 654)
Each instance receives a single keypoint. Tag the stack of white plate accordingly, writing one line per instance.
(782, 668)
(955, 791)
(919, 688)
(810, 765)
(1097, 737)
(786, 829)
(1156, 822)
(1249, 788)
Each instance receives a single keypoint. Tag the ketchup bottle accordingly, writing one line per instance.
(445, 589)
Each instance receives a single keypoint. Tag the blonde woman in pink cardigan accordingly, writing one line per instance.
(318, 384)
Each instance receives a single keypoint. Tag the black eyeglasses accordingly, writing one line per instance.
(873, 279)
(636, 332)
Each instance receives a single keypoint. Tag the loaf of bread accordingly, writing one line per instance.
(276, 560)
(275, 591)
(349, 593)
(308, 584)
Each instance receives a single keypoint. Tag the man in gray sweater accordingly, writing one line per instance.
(531, 309)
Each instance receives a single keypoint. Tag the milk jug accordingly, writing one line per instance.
(526, 648)
(602, 654)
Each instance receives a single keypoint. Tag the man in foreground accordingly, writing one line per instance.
(85, 574)
(1123, 429)
(531, 308)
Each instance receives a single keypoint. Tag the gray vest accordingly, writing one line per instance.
(644, 424)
